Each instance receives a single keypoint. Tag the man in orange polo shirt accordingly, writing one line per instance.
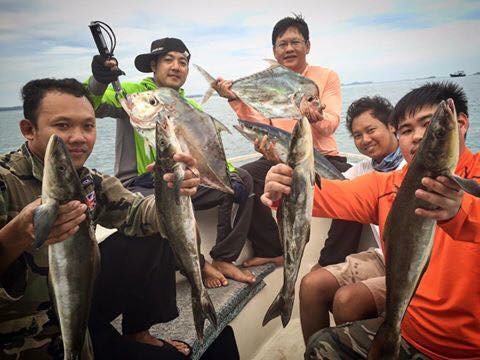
(443, 318)
(291, 44)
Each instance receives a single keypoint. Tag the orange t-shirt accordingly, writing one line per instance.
(443, 318)
(328, 84)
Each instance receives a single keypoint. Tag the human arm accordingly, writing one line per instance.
(134, 214)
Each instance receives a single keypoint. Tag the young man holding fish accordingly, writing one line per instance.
(28, 325)
(169, 61)
(354, 289)
(442, 319)
(291, 44)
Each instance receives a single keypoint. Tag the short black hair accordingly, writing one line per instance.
(296, 21)
(34, 91)
(380, 108)
(429, 94)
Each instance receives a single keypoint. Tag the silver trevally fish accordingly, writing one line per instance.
(271, 91)
(73, 263)
(195, 129)
(409, 237)
(281, 138)
(294, 215)
(176, 215)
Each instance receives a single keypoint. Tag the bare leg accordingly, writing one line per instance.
(317, 291)
(212, 278)
(353, 302)
(145, 337)
(255, 261)
(229, 270)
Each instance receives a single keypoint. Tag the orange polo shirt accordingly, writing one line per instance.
(328, 84)
(443, 318)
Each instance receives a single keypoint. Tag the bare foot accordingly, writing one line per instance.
(277, 261)
(233, 272)
(212, 278)
(145, 337)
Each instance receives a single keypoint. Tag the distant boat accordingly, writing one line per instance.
(458, 73)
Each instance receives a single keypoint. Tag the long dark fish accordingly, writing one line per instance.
(271, 91)
(409, 237)
(294, 215)
(73, 263)
(255, 131)
(176, 215)
(196, 130)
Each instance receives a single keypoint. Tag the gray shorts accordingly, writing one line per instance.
(367, 267)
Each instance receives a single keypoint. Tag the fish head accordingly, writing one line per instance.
(248, 130)
(143, 108)
(301, 145)
(439, 148)
(60, 179)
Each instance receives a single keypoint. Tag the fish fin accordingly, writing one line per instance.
(468, 185)
(203, 309)
(220, 126)
(318, 180)
(279, 307)
(210, 80)
(44, 217)
(272, 63)
(385, 344)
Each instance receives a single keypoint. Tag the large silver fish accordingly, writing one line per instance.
(196, 130)
(294, 215)
(409, 237)
(271, 91)
(281, 138)
(176, 214)
(73, 263)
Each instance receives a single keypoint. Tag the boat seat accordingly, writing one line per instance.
(228, 302)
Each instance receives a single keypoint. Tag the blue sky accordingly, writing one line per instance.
(361, 40)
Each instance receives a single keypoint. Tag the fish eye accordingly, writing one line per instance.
(153, 101)
(61, 168)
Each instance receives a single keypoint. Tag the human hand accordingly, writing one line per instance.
(105, 71)
(443, 193)
(191, 179)
(223, 88)
(70, 215)
(267, 149)
(312, 109)
(277, 183)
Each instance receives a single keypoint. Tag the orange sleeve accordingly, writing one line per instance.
(465, 226)
(332, 99)
(246, 112)
(355, 200)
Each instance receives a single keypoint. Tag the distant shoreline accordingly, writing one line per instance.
(11, 108)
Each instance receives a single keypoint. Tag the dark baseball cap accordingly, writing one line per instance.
(160, 47)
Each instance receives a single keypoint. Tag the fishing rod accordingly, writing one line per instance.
(105, 51)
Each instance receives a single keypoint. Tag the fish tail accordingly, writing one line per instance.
(44, 217)
(386, 344)
(210, 80)
(203, 309)
(280, 307)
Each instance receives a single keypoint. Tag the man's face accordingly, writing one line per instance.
(71, 118)
(411, 130)
(372, 137)
(171, 70)
(291, 50)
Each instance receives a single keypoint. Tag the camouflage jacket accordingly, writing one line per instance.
(28, 324)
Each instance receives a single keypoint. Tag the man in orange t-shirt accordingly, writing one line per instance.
(291, 44)
(443, 318)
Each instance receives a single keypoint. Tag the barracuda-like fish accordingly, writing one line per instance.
(409, 237)
(73, 263)
(176, 214)
(196, 130)
(271, 91)
(294, 215)
(256, 131)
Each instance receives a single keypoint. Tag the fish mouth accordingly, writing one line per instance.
(142, 124)
(413, 151)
